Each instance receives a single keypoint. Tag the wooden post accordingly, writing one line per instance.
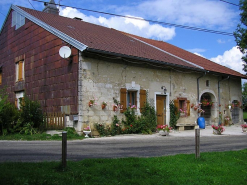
(197, 142)
(64, 149)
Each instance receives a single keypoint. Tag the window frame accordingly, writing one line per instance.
(20, 70)
(18, 20)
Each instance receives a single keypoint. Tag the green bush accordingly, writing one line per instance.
(116, 126)
(8, 114)
(31, 112)
(174, 115)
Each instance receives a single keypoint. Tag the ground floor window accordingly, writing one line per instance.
(18, 98)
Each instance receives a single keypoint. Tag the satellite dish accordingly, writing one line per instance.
(64, 52)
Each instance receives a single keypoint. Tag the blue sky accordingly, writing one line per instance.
(208, 14)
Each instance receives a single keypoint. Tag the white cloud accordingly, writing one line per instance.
(196, 50)
(231, 59)
(137, 27)
(202, 13)
(221, 41)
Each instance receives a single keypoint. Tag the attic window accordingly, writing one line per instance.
(17, 20)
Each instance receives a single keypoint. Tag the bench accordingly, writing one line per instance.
(182, 127)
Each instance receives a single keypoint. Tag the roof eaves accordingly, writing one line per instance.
(169, 53)
(144, 59)
(80, 46)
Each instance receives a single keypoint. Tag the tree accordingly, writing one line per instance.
(241, 32)
(244, 95)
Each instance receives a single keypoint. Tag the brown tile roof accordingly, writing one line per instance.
(112, 41)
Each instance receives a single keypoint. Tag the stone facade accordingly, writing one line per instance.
(103, 80)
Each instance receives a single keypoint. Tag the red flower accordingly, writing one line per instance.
(131, 125)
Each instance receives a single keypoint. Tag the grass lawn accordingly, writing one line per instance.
(212, 168)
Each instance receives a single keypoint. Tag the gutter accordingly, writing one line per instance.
(219, 94)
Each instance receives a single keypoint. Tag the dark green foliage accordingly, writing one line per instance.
(174, 114)
(241, 32)
(31, 113)
(8, 114)
(101, 129)
(146, 123)
(115, 127)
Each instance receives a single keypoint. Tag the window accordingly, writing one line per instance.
(132, 97)
(183, 105)
(17, 20)
(19, 70)
(19, 97)
(207, 83)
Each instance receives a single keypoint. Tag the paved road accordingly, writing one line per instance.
(116, 147)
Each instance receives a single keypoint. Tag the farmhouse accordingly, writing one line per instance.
(72, 66)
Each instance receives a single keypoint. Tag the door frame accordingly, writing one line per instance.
(167, 105)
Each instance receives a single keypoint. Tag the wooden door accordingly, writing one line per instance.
(161, 109)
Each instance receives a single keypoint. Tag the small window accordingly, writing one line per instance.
(19, 70)
(183, 106)
(18, 98)
(17, 20)
(131, 98)
(207, 83)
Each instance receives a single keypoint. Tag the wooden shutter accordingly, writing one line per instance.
(176, 104)
(188, 108)
(16, 102)
(20, 67)
(123, 98)
(143, 99)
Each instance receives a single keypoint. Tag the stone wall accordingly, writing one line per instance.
(103, 80)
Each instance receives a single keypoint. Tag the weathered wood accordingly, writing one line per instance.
(54, 120)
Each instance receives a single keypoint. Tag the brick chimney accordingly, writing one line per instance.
(51, 8)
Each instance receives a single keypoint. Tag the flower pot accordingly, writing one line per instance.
(244, 129)
(103, 106)
(86, 132)
(216, 132)
(90, 104)
(163, 133)
(114, 108)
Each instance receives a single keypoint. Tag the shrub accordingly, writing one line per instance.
(115, 127)
(31, 112)
(174, 114)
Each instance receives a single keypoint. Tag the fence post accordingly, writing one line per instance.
(197, 142)
(64, 149)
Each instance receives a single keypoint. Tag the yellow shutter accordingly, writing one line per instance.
(16, 102)
(188, 108)
(20, 67)
(176, 104)
(143, 98)
(123, 97)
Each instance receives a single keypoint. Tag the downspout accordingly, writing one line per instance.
(219, 95)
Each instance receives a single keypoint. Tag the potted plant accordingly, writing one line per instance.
(244, 127)
(163, 130)
(104, 104)
(218, 129)
(87, 131)
(227, 119)
(92, 102)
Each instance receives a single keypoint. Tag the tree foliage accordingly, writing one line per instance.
(241, 32)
